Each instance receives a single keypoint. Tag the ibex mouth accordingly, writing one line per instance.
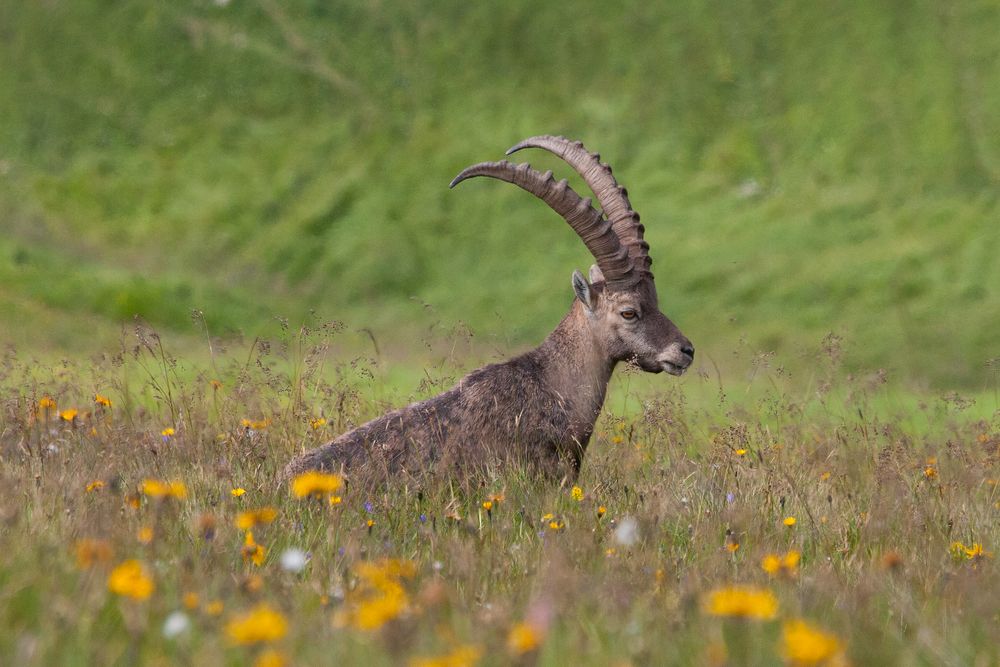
(674, 369)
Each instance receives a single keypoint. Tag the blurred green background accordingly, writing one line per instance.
(802, 168)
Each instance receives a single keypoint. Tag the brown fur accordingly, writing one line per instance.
(536, 409)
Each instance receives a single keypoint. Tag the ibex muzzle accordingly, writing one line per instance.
(538, 408)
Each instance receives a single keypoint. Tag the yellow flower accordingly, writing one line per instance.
(973, 552)
(789, 521)
(130, 579)
(379, 596)
(270, 658)
(788, 564)
(317, 423)
(556, 525)
(523, 638)
(91, 552)
(487, 505)
(336, 500)
(930, 472)
(237, 492)
(741, 601)
(825, 476)
(167, 432)
(461, 656)
(548, 517)
(155, 488)
(370, 523)
(102, 400)
(216, 385)
(617, 440)
(190, 600)
(601, 511)
(576, 493)
(259, 625)
(214, 608)
(256, 425)
(145, 535)
(253, 518)
(96, 485)
(804, 644)
(732, 547)
(47, 403)
(252, 551)
(741, 452)
(69, 414)
(316, 484)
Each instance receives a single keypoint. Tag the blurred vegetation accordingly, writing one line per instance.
(801, 168)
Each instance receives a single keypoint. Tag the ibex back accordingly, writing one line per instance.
(538, 408)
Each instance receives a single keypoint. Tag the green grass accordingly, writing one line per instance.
(801, 170)
(697, 463)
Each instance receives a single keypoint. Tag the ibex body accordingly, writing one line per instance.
(538, 408)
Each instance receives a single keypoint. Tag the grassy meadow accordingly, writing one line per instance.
(228, 237)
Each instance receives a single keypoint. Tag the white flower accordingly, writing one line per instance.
(176, 624)
(627, 532)
(294, 560)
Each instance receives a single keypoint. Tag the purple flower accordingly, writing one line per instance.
(368, 507)
(423, 518)
(730, 498)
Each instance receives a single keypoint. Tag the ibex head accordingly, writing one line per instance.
(619, 302)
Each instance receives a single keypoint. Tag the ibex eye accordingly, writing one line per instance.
(629, 314)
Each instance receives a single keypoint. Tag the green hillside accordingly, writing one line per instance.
(802, 168)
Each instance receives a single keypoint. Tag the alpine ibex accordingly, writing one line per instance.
(540, 407)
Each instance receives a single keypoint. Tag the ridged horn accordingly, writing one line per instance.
(612, 197)
(591, 226)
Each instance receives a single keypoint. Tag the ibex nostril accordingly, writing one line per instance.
(688, 350)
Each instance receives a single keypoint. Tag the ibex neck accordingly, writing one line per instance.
(577, 369)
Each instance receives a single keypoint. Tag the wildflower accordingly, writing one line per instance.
(133, 500)
(270, 658)
(90, 552)
(742, 602)
(237, 492)
(254, 518)
(930, 472)
(336, 500)
(177, 623)
(825, 476)
(216, 385)
(190, 600)
(488, 505)
(206, 526)
(293, 560)
(255, 424)
(556, 525)
(576, 493)
(103, 401)
(804, 644)
(973, 552)
(789, 521)
(741, 452)
(891, 560)
(69, 415)
(548, 516)
(130, 579)
(96, 485)
(627, 532)
(461, 656)
(316, 484)
(523, 638)
(617, 440)
(370, 523)
(317, 423)
(497, 498)
(379, 596)
(732, 547)
(788, 564)
(155, 488)
(47, 403)
(610, 551)
(261, 624)
(145, 535)
(167, 432)
(601, 511)
(214, 608)
(252, 551)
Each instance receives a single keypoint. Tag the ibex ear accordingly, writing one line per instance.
(596, 276)
(582, 290)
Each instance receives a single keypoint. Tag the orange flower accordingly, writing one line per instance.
(130, 579)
